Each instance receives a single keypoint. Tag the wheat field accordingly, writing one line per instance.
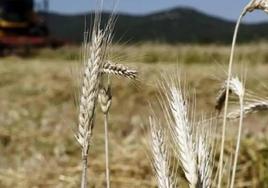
(38, 115)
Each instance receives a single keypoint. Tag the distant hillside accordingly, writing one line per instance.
(173, 26)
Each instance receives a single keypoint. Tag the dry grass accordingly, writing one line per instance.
(37, 118)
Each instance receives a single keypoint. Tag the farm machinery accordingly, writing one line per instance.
(21, 27)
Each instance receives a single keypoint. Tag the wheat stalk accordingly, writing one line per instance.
(105, 100)
(236, 87)
(161, 159)
(253, 4)
(230, 66)
(239, 90)
(118, 69)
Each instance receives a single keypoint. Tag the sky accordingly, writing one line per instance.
(228, 9)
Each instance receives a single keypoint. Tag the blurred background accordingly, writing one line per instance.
(40, 47)
(44, 23)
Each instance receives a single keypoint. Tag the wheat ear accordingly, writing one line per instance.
(118, 69)
(192, 140)
(249, 108)
(161, 160)
(204, 150)
(257, 4)
(235, 87)
(194, 152)
(94, 48)
(88, 98)
(181, 134)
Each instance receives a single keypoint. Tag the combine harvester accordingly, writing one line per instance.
(21, 28)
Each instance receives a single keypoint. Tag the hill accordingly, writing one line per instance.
(179, 25)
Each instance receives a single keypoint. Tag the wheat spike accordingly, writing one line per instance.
(204, 152)
(192, 143)
(181, 133)
(161, 161)
(118, 69)
(250, 108)
(94, 54)
(257, 4)
(97, 47)
(236, 87)
(89, 91)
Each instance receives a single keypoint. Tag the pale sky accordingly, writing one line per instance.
(228, 9)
